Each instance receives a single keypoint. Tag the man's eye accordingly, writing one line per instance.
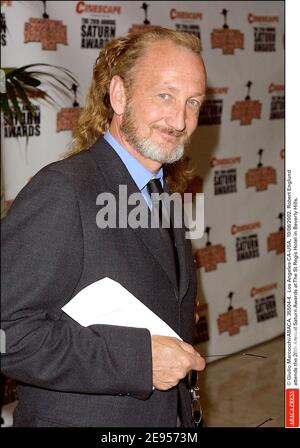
(195, 103)
(164, 96)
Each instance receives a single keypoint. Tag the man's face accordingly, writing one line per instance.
(162, 111)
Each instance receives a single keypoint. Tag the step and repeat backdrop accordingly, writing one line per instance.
(237, 149)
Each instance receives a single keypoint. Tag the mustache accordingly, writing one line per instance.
(171, 131)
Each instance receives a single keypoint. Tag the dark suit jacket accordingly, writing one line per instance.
(99, 375)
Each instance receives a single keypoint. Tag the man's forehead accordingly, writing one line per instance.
(163, 47)
(165, 60)
(165, 55)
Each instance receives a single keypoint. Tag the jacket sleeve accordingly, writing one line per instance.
(42, 259)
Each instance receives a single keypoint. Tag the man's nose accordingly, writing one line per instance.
(177, 117)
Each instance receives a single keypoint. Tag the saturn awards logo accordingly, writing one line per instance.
(210, 256)
(261, 176)
(3, 29)
(277, 110)
(265, 306)
(225, 175)
(246, 110)
(96, 32)
(226, 38)
(187, 21)
(212, 108)
(48, 32)
(29, 124)
(264, 32)
(246, 243)
(233, 319)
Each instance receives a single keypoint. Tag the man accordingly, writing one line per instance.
(146, 91)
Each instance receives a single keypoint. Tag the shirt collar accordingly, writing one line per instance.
(138, 172)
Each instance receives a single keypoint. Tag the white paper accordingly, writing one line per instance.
(108, 302)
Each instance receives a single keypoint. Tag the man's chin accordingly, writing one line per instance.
(161, 155)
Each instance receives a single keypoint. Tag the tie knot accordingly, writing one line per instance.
(154, 186)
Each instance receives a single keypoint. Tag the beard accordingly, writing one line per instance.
(145, 146)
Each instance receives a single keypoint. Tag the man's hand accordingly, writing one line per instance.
(172, 359)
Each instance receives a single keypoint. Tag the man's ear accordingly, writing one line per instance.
(117, 95)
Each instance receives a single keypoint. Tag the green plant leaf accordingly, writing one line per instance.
(67, 72)
(51, 75)
(8, 114)
(27, 79)
(20, 81)
(13, 98)
(23, 95)
(8, 70)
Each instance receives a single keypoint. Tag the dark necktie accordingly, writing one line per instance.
(154, 186)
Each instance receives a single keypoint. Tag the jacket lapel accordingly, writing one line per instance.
(183, 255)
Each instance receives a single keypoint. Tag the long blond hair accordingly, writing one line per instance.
(119, 58)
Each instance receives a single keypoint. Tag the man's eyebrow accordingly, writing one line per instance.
(172, 88)
(199, 94)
